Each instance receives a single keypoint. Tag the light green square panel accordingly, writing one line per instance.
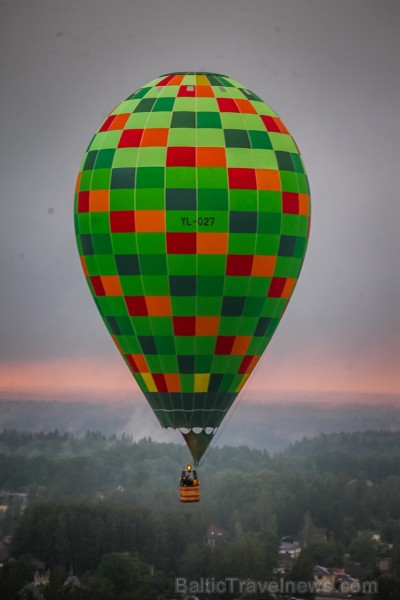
(179, 136)
(181, 177)
(124, 243)
(243, 200)
(188, 103)
(209, 306)
(122, 199)
(125, 107)
(211, 138)
(85, 181)
(267, 244)
(125, 157)
(251, 122)
(169, 363)
(152, 156)
(282, 141)
(142, 325)
(212, 264)
(303, 226)
(129, 344)
(236, 285)
(156, 285)
(187, 383)
(100, 222)
(91, 265)
(131, 285)
(241, 243)
(161, 325)
(100, 179)
(289, 181)
(169, 91)
(182, 264)
(207, 105)
(159, 119)
(149, 199)
(226, 364)
(258, 287)
(114, 306)
(84, 224)
(212, 177)
(250, 158)
(155, 364)
(287, 266)
(233, 121)
(274, 307)
(205, 344)
(137, 120)
(270, 201)
(106, 264)
(290, 224)
(105, 139)
(183, 306)
(185, 344)
(151, 243)
(263, 109)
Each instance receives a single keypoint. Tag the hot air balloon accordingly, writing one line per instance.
(192, 214)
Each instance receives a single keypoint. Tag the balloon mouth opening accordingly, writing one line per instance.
(198, 439)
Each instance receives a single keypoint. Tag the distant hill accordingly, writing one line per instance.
(273, 427)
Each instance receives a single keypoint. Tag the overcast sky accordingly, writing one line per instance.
(331, 71)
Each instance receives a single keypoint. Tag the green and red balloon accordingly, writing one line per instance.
(192, 217)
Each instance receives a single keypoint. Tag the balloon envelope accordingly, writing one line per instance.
(192, 216)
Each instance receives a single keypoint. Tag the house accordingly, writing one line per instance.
(324, 578)
(215, 534)
(289, 549)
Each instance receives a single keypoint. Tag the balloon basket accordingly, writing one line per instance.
(189, 494)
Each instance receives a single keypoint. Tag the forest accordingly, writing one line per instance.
(98, 516)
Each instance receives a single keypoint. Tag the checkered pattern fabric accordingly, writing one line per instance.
(192, 215)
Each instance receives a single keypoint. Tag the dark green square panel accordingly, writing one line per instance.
(236, 138)
(165, 344)
(164, 104)
(208, 120)
(145, 105)
(104, 158)
(153, 264)
(260, 140)
(183, 118)
(203, 363)
(269, 223)
(102, 243)
(210, 285)
(212, 199)
(253, 306)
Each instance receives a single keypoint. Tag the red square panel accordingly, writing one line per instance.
(83, 202)
(239, 264)
(187, 91)
(165, 81)
(242, 179)
(97, 285)
(227, 105)
(290, 203)
(224, 344)
(184, 325)
(270, 123)
(245, 364)
(181, 156)
(131, 362)
(159, 380)
(122, 221)
(136, 306)
(107, 123)
(130, 138)
(181, 243)
(276, 287)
